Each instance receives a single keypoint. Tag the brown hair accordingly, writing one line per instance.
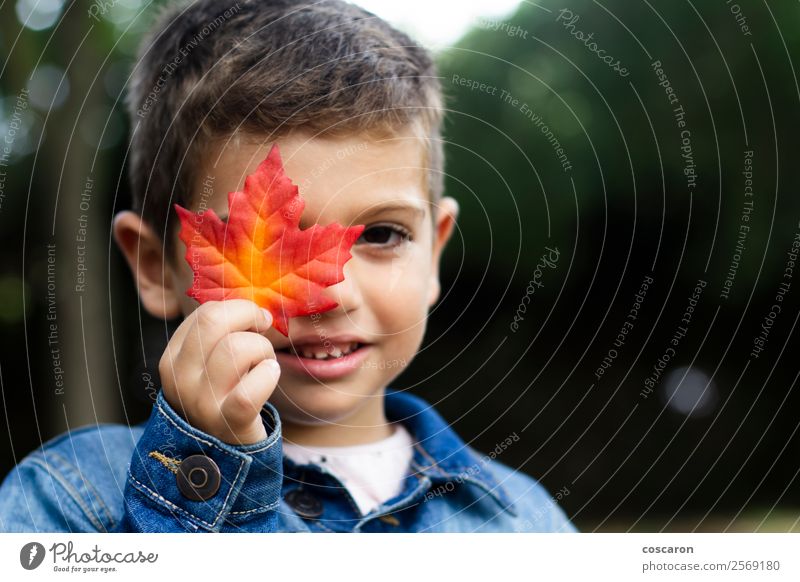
(207, 69)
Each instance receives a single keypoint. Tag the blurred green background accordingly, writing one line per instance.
(547, 146)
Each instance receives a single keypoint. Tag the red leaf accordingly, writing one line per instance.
(259, 253)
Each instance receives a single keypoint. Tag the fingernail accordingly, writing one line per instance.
(268, 316)
(276, 367)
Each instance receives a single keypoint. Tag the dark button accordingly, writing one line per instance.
(198, 477)
(304, 504)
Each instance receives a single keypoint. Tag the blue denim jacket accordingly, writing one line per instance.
(114, 478)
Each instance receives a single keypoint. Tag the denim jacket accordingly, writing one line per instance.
(114, 478)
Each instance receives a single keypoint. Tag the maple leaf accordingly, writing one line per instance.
(259, 252)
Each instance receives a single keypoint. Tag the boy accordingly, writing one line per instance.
(254, 431)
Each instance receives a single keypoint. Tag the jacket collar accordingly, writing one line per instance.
(439, 453)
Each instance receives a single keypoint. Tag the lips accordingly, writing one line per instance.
(329, 359)
(324, 351)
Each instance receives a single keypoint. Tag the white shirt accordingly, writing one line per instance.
(372, 472)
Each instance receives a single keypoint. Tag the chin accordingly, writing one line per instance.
(316, 404)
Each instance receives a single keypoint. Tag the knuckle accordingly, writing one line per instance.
(228, 344)
(237, 407)
(264, 345)
(166, 368)
(210, 313)
(238, 342)
(249, 345)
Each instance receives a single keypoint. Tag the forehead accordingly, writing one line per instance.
(340, 178)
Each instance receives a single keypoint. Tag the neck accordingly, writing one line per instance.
(367, 424)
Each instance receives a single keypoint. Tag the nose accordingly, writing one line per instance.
(346, 293)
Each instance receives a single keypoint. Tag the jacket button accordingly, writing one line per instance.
(304, 504)
(198, 477)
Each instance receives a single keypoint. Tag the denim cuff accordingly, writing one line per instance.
(251, 475)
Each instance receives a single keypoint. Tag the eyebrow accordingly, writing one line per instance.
(416, 209)
(377, 209)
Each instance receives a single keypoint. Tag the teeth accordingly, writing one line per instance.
(323, 354)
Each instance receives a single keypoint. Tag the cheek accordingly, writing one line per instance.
(397, 291)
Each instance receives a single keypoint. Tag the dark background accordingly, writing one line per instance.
(714, 447)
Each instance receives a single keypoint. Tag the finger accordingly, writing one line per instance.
(233, 357)
(215, 319)
(244, 402)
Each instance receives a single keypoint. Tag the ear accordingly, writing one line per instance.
(446, 215)
(144, 253)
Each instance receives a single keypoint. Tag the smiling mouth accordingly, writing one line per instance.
(320, 352)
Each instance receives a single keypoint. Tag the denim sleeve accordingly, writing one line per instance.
(249, 490)
(46, 492)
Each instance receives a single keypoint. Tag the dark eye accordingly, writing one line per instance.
(383, 235)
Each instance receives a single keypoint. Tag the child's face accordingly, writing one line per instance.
(390, 281)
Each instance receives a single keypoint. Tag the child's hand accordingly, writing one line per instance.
(218, 370)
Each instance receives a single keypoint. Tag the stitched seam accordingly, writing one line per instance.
(146, 490)
(164, 413)
(350, 500)
(269, 507)
(89, 488)
(497, 490)
(168, 462)
(490, 491)
(219, 513)
(66, 467)
(262, 449)
(270, 445)
(71, 492)
(420, 469)
(195, 437)
(434, 465)
(347, 496)
(391, 509)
